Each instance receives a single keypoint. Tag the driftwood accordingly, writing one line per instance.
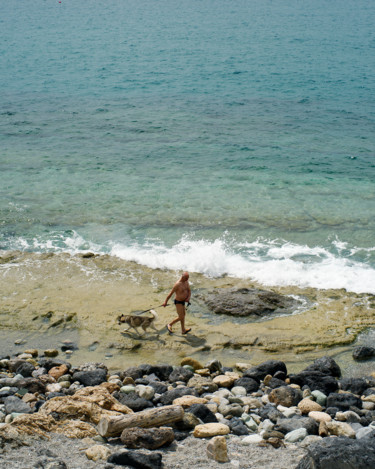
(113, 425)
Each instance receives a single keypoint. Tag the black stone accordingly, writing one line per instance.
(238, 427)
(276, 383)
(354, 385)
(90, 377)
(332, 411)
(363, 352)
(315, 380)
(168, 397)
(49, 363)
(161, 371)
(339, 453)
(179, 436)
(325, 365)
(180, 374)
(133, 372)
(159, 388)
(269, 367)
(133, 401)
(136, 459)
(250, 384)
(344, 401)
(25, 369)
(280, 375)
(270, 412)
(285, 426)
(202, 412)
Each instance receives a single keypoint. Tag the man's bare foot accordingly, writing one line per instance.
(187, 330)
(169, 327)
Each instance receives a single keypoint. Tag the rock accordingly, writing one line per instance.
(207, 430)
(269, 367)
(149, 438)
(250, 384)
(133, 401)
(248, 302)
(214, 366)
(270, 412)
(51, 353)
(137, 459)
(168, 397)
(343, 401)
(33, 385)
(233, 410)
(91, 377)
(251, 440)
(275, 383)
(161, 371)
(325, 365)
(189, 422)
(288, 425)
(354, 385)
(57, 371)
(319, 397)
(320, 416)
(180, 374)
(202, 384)
(363, 352)
(307, 405)
(97, 452)
(217, 449)
(242, 366)
(238, 427)
(145, 392)
(224, 381)
(191, 362)
(203, 413)
(15, 404)
(239, 391)
(68, 345)
(188, 401)
(296, 435)
(348, 416)
(315, 380)
(25, 369)
(285, 396)
(128, 389)
(339, 453)
(158, 387)
(336, 429)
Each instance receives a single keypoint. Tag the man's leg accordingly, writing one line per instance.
(181, 316)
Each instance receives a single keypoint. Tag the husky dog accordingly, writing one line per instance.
(138, 321)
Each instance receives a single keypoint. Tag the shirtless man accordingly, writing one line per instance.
(183, 293)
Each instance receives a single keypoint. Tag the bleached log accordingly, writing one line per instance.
(159, 416)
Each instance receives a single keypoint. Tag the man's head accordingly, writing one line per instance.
(185, 276)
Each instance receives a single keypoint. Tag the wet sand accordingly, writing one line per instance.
(48, 298)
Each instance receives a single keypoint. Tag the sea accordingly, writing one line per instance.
(214, 136)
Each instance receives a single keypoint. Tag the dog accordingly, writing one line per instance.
(138, 321)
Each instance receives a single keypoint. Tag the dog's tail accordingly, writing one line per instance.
(153, 312)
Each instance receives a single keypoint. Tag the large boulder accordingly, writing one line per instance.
(315, 380)
(344, 401)
(325, 365)
(340, 453)
(248, 302)
(363, 352)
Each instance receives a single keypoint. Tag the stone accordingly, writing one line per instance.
(136, 459)
(233, 410)
(309, 440)
(207, 430)
(269, 367)
(25, 369)
(33, 352)
(325, 365)
(336, 428)
(214, 366)
(202, 384)
(51, 353)
(191, 362)
(238, 427)
(189, 422)
(354, 385)
(348, 416)
(202, 412)
(217, 449)
(343, 401)
(248, 302)
(365, 432)
(15, 404)
(161, 371)
(57, 371)
(285, 396)
(97, 452)
(224, 381)
(296, 435)
(363, 352)
(239, 391)
(180, 374)
(90, 377)
(242, 366)
(168, 397)
(338, 453)
(188, 401)
(145, 392)
(251, 440)
(133, 401)
(319, 397)
(149, 438)
(315, 380)
(128, 389)
(307, 405)
(320, 416)
(287, 425)
(250, 384)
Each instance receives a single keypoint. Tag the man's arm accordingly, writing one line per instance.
(170, 294)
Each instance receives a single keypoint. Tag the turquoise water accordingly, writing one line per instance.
(216, 136)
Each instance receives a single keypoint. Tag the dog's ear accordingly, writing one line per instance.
(119, 319)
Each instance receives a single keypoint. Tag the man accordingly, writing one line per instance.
(182, 291)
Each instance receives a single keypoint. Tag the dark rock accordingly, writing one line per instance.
(25, 369)
(136, 459)
(69, 346)
(133, 401)
(354, 385)
(33, 385)
(168, 397)
(15, 404)
(143, 381)
(315, 380)
(248, 302)
(238, 427)
(45, 464)
(332, 411)
(250, 384)
(280, 375)
(285, 426)
(161, 371)
(133, 372)
(91, 377)
(363, 352)
(159, 388)
(339, 453)
(49, 363)
(325, 365)
(202, 412)
(285, 396)
(369, 392)
(214, 365)
(269, 367)
(276, 383)
(179, 436)
(344, 401)
(149, 438)
(180, 374)
(270, 412)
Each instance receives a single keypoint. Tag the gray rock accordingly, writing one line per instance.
(150, 438)
(354, 385)
(250, 384)
(168, 397)
(343, 401)
(180, 374)
(248, 302)
(365, 432)
(15, 404)
(269, 367)
(325, 365)
(363, 352)
(315, 380)
(339, 453)
(202, 412)
(91, 377)
(137, 459)
(288, 425)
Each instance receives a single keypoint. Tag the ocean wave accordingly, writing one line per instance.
(269, 262)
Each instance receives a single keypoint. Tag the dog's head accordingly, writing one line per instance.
(121, 319)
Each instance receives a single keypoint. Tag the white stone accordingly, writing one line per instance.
(365, 432)
(222, 393)
(146, 392)
(309, 440)
(239, 391)
(251, 440)
(249, 422)
(296, 435)
(54, 387)
(266, 425)
(265, 399)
